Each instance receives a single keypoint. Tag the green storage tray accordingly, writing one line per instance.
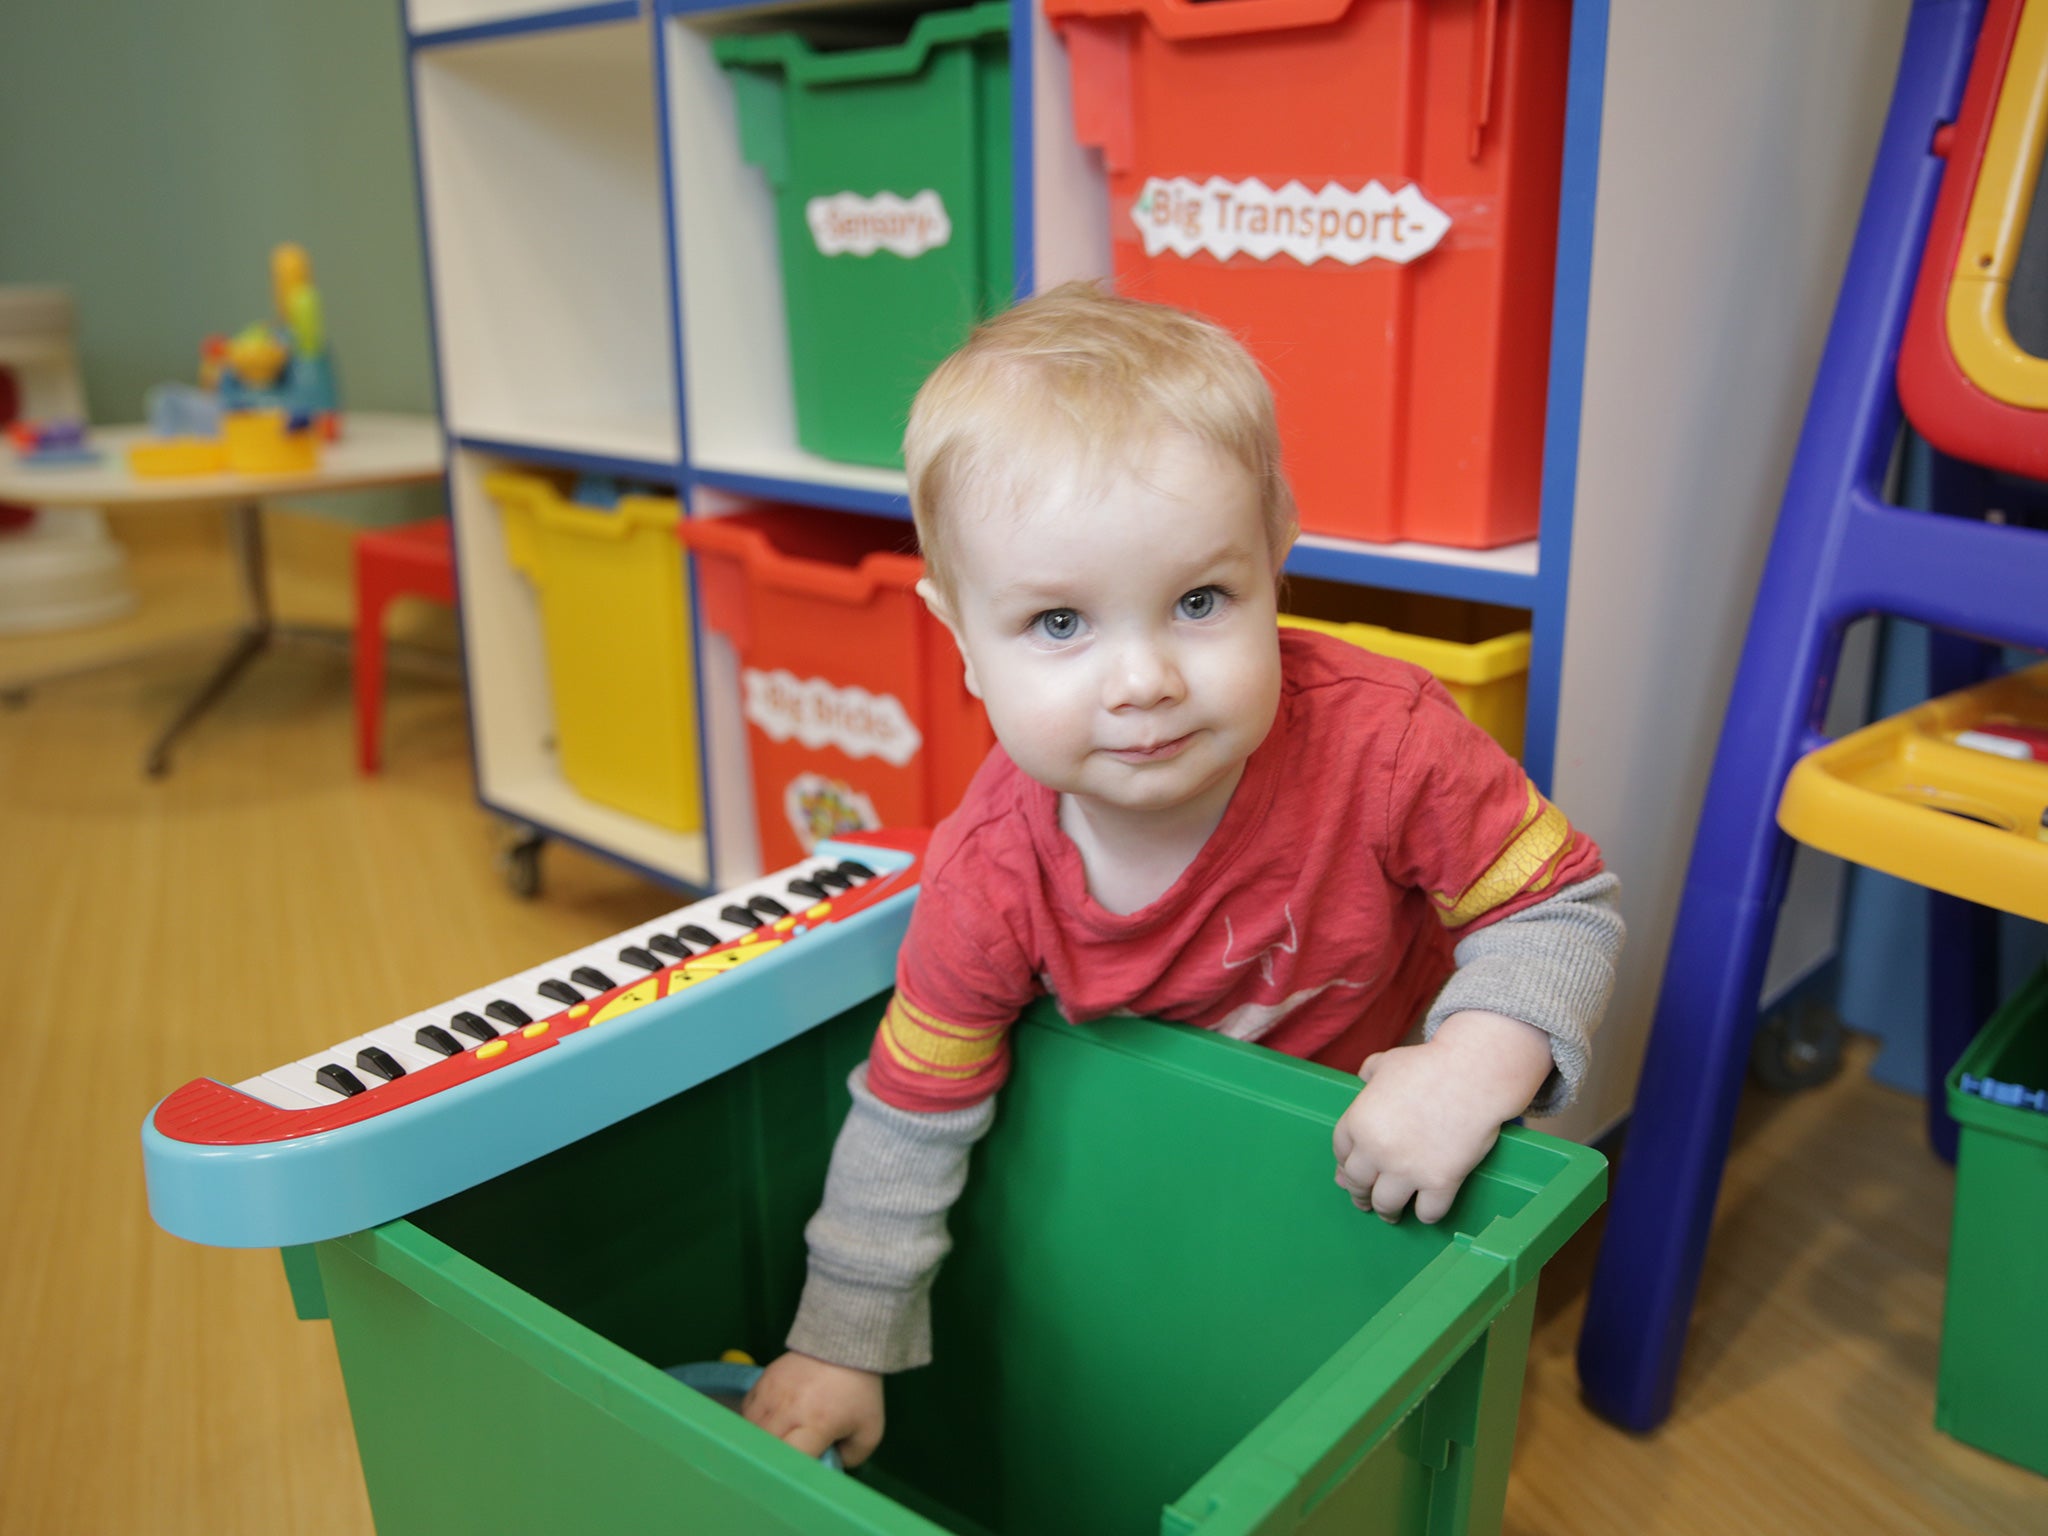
(930, 115)
(1993, 1390)
(1160, 1315)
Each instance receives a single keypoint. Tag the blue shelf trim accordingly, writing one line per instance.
(808, 493)
(672, 256)
(655, 470)
(604, 12)
(1586, 73)
(1023, 167)
(419, 201)
(1360, 566)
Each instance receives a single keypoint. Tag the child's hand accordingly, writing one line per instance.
(812, 1403)
(1429, 1113)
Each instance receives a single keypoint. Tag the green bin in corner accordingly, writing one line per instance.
(1993, 1390)
(890, 169)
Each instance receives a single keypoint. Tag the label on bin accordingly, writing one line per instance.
(847, 224)
(1249, 218)
(820, 714)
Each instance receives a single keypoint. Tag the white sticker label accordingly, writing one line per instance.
(847, 224)
(1230, 218)
(818, 808)
(812, 710)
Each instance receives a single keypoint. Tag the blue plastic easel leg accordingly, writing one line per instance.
(1838, 552)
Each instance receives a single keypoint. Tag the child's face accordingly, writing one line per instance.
(1124, 643)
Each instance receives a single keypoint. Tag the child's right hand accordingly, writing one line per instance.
(812, 1403)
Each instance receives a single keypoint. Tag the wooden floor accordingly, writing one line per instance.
(264, 901)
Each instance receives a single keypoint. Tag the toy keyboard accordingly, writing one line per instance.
(387, 1122)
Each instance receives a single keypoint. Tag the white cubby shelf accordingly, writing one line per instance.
(540, 175)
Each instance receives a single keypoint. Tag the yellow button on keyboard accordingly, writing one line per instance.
(489, 1049)
(535, 1029)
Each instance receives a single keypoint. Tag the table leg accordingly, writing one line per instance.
(245, 530)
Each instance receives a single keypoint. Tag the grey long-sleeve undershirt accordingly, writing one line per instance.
(879, 1235)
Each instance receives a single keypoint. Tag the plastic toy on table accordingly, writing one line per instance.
(50, 443)
(266, 397)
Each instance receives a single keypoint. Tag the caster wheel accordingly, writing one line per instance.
(519, 863)
(1797, 1048)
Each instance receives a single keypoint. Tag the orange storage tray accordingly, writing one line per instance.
(858, 713)
(1366, 192)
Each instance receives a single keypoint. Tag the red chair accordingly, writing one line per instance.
(414, 560)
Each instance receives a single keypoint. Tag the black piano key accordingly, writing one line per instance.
(675, 949)
(633, 954)
(767, 906)
(832, 879)
(691, 933)
(853, 869)
(591, 977)
(810, 890)
(378, 1062)
(344, 1082)
(560, 991)
(474, 1025)
(437, 1039)
(739, 916)
(508, 1013)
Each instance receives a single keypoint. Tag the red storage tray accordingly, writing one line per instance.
(857, 708)
(1364, 191)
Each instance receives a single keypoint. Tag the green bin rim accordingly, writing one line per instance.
(2025, 1009)
(806, 66)
(1393, 1358)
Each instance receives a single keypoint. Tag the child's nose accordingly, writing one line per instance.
(1142, 675)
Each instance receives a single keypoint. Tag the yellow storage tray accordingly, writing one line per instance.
(615, 607)
(1487, 679)
(1902, 797)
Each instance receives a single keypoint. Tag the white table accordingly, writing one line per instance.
(375, 451)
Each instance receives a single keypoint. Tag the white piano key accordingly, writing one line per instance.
(298, 1077)
(274, 1093)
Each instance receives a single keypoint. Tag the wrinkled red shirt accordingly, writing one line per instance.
(1373, 827)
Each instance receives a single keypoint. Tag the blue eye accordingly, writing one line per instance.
(1058, 623)
(1202, 603)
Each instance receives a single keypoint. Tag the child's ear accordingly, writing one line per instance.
(943, 612)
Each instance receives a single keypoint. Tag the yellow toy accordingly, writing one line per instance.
(266, 396)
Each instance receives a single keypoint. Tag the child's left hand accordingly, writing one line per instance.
(1429, 1113)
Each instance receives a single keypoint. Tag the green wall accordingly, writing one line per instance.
(151, 154)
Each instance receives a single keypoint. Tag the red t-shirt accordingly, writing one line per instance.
(1373, 827)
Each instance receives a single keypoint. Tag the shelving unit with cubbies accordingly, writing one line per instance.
(609, 300)
(606, 292)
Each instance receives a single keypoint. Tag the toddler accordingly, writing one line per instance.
(1190, 814)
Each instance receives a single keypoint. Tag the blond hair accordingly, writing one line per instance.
(1069, 386)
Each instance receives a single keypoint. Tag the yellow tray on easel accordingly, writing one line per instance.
(1900, 796)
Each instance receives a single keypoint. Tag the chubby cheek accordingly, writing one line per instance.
(1036, 717)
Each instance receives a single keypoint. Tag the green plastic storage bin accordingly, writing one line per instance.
(890, 169)
(1160, 1315)
(1993, 1390)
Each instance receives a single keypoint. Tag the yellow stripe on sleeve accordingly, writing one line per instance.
(918, 1042)
(1538, 838)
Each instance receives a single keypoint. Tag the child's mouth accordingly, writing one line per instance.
(1152, 754)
